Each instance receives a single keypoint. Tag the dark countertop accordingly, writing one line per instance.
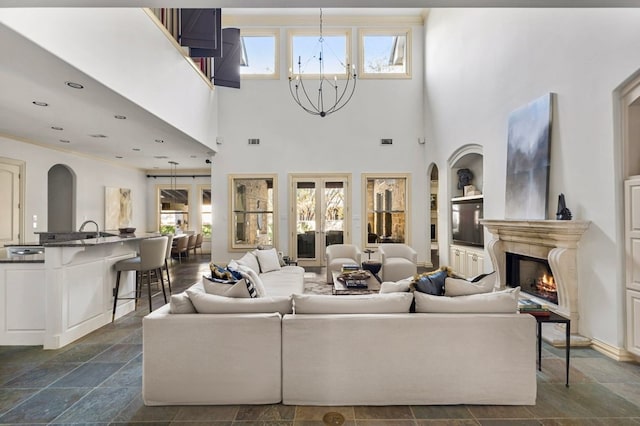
(6, 257)
(89, 242)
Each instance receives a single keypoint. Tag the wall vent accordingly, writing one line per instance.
(386, 141)
(254, 141)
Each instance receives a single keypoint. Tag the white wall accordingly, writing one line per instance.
(92, 176)
(292, 141)
(481, 64)
(124, 49)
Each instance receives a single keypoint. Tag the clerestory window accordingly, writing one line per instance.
(385, 53)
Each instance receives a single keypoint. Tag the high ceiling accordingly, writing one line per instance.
(91, 118)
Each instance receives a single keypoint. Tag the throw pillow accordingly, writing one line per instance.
(239, 289)
(499, 302)
(181, 304)
(251, 276)
(431, 283)
(268, 260)
(214, 304)
(223, 274)
(249, 260)
(462, 287)
(391, 303)
(401, 286)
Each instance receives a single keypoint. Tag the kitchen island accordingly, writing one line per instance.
(54, 298)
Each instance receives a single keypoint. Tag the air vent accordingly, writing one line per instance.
(254, 141)
(386, 141)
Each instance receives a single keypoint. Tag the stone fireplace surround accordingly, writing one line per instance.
(553, 240)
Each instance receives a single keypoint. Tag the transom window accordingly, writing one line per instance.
(385, 53)
(386, 207)
(304, 52)
(260, 56)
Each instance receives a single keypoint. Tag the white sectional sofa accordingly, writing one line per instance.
(340, 350)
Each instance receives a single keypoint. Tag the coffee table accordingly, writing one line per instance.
(339, 287)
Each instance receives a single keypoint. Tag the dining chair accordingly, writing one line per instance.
(180, 248)
(191, 244)
(199, 239)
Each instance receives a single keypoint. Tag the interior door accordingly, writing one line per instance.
(9, 203)
(322, 215)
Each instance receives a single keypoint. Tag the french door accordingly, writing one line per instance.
(320, 206)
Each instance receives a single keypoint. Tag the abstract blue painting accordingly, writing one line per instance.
(528, 160)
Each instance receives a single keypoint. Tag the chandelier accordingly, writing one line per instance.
(336, 96)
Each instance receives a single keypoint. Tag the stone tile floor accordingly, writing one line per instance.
(97, 380)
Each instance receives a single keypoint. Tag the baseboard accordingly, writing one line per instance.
(614, 352)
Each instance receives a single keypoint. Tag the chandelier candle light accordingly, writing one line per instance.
(341, 96)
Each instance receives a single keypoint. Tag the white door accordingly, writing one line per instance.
(321, 210)
(9, 203)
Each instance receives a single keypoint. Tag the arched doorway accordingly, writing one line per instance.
(61, 199)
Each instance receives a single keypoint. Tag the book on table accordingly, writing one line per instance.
(528, 306)
(350, 267)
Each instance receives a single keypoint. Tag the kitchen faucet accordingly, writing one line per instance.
(90, 221)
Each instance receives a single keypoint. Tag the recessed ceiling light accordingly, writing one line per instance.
(159, 141)
(56, 128)
(40, 103)
(74, 85)
(136, 149)
(120, 117)
(65, 140)
(160, 157)
(98, 135)
(118, 156)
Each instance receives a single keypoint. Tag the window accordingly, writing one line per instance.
(260, 57)
(386, 207)
(253, 212)
(174, 209)
(205, 211)
(304, 49)
(385, 53)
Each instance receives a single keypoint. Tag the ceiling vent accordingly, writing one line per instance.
(254, 141)
(386, 141)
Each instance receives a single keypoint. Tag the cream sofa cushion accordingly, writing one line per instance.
(505, 301)
(268, 260)
(250, 260)
(213, 304)
(462, 287)
(353, 304)
(237, 290)
(181, 304)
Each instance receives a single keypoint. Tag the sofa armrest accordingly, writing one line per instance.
(211, 358)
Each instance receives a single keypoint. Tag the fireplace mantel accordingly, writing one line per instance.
(548, 233)
(553, 240)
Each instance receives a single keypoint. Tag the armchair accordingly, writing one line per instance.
(398, 261)
(339, 254)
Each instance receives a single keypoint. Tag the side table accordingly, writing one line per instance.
(555, 319)
(289, 261)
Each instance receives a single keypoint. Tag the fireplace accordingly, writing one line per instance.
(520, 248)
(532, 275)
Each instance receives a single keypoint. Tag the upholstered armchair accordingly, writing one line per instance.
(339, 254)
(398, 261)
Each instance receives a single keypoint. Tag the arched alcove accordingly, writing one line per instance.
(61, 199)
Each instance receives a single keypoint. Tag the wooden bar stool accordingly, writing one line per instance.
(151, 259)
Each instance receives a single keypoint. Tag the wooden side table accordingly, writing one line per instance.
(555, 319)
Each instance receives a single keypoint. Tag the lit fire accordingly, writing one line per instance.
(546, 284)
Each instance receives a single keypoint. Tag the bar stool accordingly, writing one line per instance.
(152, 257)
